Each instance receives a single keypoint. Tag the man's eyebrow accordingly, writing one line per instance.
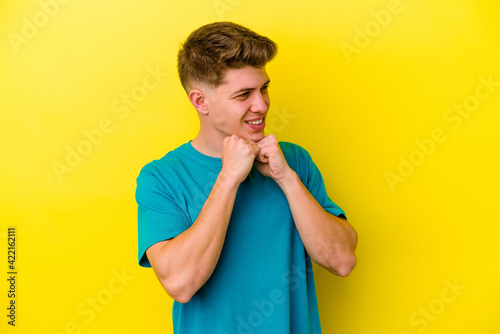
(249, 89)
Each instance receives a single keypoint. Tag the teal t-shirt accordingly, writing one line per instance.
(263, 282)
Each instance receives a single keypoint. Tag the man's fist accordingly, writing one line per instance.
(270, 160)
(238, 155)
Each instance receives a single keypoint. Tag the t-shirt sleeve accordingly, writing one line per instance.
(159, 216)
(313, 180)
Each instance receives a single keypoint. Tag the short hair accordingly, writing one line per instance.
(212, 49)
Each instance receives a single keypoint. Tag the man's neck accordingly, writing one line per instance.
(207, 147)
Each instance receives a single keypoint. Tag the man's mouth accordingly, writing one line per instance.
(257, 122)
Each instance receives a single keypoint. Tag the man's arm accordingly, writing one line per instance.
(330, 241)
(183, 264)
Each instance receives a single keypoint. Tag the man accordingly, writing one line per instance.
(230, 221)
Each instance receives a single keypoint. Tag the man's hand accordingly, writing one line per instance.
(329, 241)
(238, 155)
(270, 160)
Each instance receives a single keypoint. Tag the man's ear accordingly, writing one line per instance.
(198, 99)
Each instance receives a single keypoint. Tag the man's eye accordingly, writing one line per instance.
(244, 95)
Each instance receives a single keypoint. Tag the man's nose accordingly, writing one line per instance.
(259, 103)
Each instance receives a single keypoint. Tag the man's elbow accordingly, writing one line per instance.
(344, 266)
(348, 266)
(183, 298)
(177, 289)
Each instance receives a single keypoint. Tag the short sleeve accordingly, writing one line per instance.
(159, 216)
(316, 186)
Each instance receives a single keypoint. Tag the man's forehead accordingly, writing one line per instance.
(245, 78)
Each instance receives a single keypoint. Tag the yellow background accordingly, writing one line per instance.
(357, 113)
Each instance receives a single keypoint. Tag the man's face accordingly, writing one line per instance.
(239, 106)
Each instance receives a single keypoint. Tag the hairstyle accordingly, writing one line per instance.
(214, 48)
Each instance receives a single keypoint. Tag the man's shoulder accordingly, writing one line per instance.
(293, 151)
(169, 161)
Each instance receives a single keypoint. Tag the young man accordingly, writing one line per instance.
(231, 220)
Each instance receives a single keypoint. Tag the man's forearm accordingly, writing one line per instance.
(330, 241)
(183, 264)
(186, 262)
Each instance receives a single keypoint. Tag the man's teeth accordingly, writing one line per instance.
(256, 122)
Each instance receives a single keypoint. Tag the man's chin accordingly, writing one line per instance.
(256, 137)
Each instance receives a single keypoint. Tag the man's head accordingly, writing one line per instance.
(222, 68)
(212, 49)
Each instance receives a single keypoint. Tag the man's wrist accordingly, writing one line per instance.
(288, 179)
(227, 181)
